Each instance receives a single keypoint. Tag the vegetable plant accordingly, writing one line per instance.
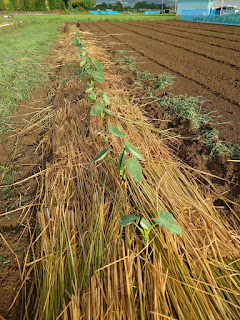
(165, 219)
(132, 165)
(92, 70)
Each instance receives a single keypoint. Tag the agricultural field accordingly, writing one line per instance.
(120, 170)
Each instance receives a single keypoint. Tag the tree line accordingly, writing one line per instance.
(50, 5)
(33, 5)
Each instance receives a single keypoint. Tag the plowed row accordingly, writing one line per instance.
(204, 58)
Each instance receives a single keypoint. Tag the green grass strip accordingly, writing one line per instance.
(22, 52)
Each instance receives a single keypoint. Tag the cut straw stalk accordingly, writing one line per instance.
(92, 269)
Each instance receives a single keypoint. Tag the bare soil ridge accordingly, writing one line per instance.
(196, 75)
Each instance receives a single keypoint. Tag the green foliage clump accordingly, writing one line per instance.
(52, 4)
(88, 4)
(40, 5)
(129, 61)
(143, 75)
(2, 5)
(187, 108)
(162, 81)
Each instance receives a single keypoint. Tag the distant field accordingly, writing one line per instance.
(91, 17)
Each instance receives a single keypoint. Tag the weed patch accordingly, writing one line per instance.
(187, 108)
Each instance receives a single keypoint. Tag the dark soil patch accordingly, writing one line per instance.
(19, 160)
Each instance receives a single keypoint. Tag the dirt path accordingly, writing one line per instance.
(206, 62)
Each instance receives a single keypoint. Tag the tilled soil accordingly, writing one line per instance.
(204, 58)
(206, 62)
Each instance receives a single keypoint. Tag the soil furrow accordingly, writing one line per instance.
(209, 74)
(206, 33)
(227, 110)
(188, 35)
(232, 60)
(220, 29)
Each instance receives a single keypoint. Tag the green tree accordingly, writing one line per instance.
(117, 6)
(39, 5)
(88, 4)
(101, 6)
(52, 4)
(2, 5)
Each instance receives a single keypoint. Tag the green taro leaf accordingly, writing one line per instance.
(133, 150)
(128, 219)
(98, 66)
(166, 220)
(76, 42)
(91, 97)
(97, 109)
(106, 98)
(84, 72)
(108, 111)
(101, 155)
(97, 76)
(116, 132)
(135, 169)
(90, 89)
(82, 63)
(122, 159)
(145, 224)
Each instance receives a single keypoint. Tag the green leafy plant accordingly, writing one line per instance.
(144, 75)
(162, 81)
(187, 108)
(132, 164)
(165, 219)
(93, 71)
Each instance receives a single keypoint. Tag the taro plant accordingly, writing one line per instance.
(132, 164)
(165, 219)
(93, 71)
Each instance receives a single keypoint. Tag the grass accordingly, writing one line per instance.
(88, 17)
(21, 61)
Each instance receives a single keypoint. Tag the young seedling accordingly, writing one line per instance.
(165, 219)
(93, 71)
(132, 165)
(99, 108)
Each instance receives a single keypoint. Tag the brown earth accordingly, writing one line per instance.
(19, 155)
(204, 58)
(205, 61)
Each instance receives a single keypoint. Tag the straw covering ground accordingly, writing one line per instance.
(91, 268)
(83, 264)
